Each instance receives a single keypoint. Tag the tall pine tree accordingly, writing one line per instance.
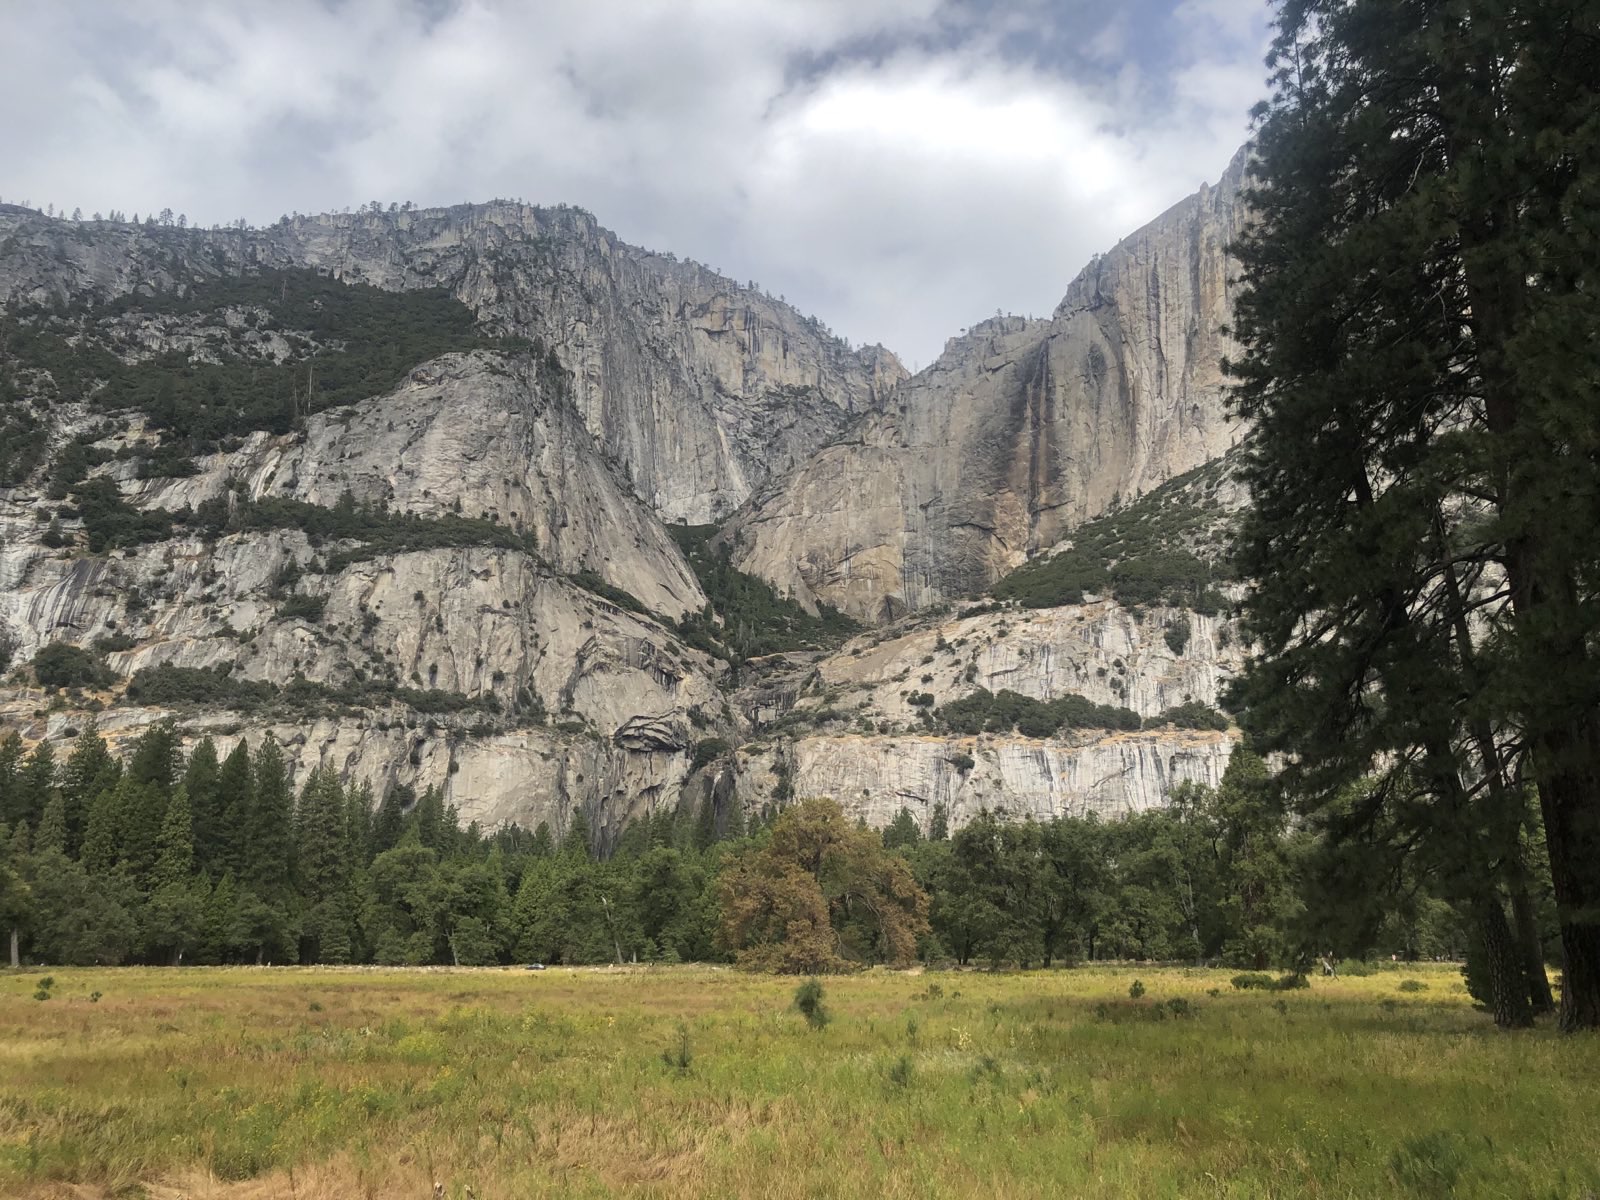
(1422, 353)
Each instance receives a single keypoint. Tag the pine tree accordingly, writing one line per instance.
(427, 818)
(158, 758)
(175, 848)
(11, 755)
(16, 897)
(236, 801)
(100, 841)
(1415, 285)
(137, 812)
(35, 784)
(202, 780)
(53, 825)
(323, 867)
(388, 823)
(902, 831)
(175, 914)
(268, 828)
(89, 770)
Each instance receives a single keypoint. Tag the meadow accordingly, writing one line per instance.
(315, 1083)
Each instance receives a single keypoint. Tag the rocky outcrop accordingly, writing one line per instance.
(875, 777)
(470, 434)
(696, 387)
(1020, 431)
(1099, 650)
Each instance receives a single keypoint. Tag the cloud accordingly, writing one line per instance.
(899, 168)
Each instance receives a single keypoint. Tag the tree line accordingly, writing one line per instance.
(165, 859)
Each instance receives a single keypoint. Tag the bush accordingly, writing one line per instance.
(1291, 981)
(1178, 1006)
(1177, 634)
(60, 665)
(592, 583)
(111, 522)
(167, 684)
(303, 607)
(1193, 715)
(808, 999)
(986, 712)
(1254, 981)
(900, 1073)
(1135, 990)
(1413, 985)
(707, 751)
(680, 1054)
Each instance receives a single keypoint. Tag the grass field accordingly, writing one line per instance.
(316, 1083)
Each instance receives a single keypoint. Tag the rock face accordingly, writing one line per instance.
(1020, 431)
(509, 672)
(474, 434)
(875, 777)
(1100, 651)
(696, 387)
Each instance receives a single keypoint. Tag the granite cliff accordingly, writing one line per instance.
(455, 566)
(1021, 430)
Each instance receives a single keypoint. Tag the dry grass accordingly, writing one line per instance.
(314, 1083)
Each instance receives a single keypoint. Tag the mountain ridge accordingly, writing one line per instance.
(488, 600)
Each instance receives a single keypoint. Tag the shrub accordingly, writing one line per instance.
(1177, 634)
(1001, 712)
(302, 607)
(1413, 985)
(1135, 990)
(1178, 1006)
(808, 999)
(962, 762)
(707, 751)
(62, 665)
(1291, 981)
(1192, 715)
(680, 1054)
(1254, 981)
(900, 1073)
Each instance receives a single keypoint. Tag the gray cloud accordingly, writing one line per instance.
(900, 168)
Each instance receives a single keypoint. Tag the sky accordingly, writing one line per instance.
(898, 168)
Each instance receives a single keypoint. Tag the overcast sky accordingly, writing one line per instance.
(899, 168)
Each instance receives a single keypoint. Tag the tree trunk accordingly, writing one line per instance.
(1530, 945)
(1573, 855)
(16, 946)
(1507, 986)
(1565, 745)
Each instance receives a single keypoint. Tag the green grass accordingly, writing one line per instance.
(693, 1081)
